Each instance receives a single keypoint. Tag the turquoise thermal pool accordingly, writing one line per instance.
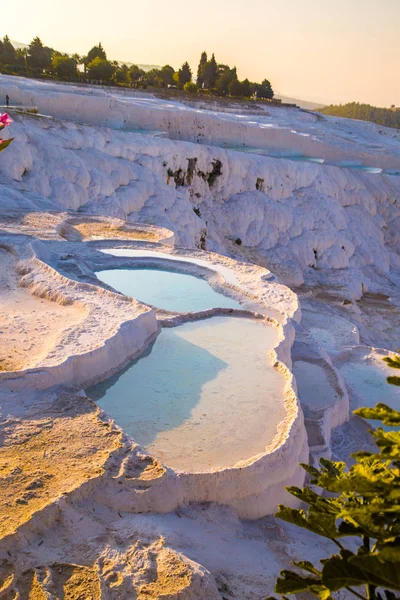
(313, 384)
(367, 379)
(177, 292)
(204, 395)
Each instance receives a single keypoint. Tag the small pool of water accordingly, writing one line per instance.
(149, 132)
(274, 153)
(367, 385)
(226, 272)
(367, 380)
(177, 292)
(203, 395)
(315, 390)
(374, 170)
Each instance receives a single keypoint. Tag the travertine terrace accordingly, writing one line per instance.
(310, 248)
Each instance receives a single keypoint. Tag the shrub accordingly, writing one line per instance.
(190, 87)
(362, 503)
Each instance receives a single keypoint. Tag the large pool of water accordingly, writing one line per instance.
(172, 291)
(203, 395)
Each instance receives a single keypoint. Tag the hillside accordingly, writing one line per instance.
(278, 234)
(388, 117)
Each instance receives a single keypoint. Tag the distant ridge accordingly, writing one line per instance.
(388, 117)
(144, 67)
(18, 44)
(302, 103)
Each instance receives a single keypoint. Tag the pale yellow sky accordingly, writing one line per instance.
(323, 50)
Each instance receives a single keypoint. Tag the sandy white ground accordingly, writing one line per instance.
(30, 326)
(85, 508)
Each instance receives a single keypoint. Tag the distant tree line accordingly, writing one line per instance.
(388, 117)
(40, 61)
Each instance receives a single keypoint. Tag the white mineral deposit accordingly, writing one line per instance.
(181, 324)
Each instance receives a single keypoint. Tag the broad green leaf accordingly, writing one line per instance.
(326, 505)
(311, 470)
(321, 592)
(321, 524)
(334, 469)
(382, 573)
(293, 583)
(338, 573)
(389, 552)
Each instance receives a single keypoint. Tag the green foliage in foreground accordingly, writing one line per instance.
(395, 364)
(362, 503)
(388, 117)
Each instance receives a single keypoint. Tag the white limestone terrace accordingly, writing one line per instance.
(117, 329)
(277, 306)
(249, 224)
(309, 224)
(271, 299)
(281, 130)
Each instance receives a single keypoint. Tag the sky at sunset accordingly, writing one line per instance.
(321, 50)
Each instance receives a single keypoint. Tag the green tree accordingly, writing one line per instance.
(64, 66)
(246, 88)
(266, 90)
(39, 56)
(167, 75)
(211, 73)
(185, 74)
(7, 52)
(225, 78)
(235, 89)
(100, 69)
(190, 87)
(96, 52)
(361, 502)
(21, 55)
(201, 70)
(136, 74)
(121, 74)
(153, 78)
